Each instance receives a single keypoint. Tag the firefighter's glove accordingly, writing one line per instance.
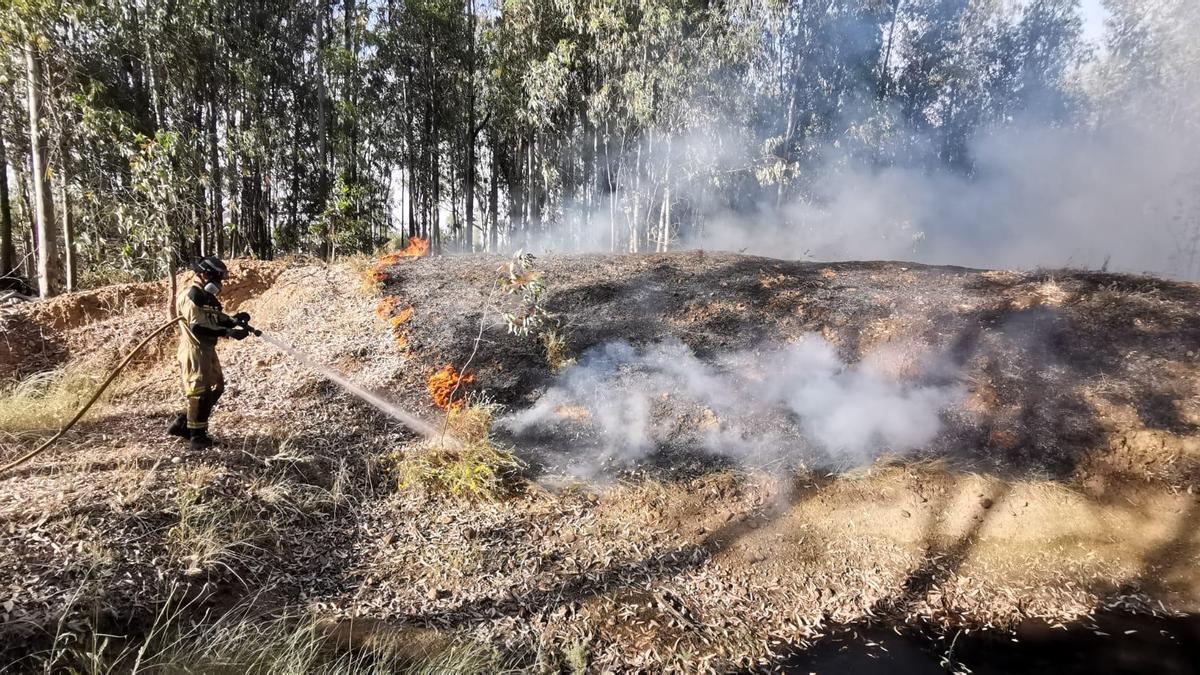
(238, 333)
(242, 317)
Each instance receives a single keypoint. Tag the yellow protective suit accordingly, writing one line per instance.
(203, 379)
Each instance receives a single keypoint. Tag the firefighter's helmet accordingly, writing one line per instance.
(211, 267)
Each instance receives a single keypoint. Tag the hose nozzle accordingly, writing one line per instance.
(245, 323)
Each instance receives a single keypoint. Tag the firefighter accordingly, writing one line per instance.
(203, 380)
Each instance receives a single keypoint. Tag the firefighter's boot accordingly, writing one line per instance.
(201, 440)
(199, 410)
(179, 427)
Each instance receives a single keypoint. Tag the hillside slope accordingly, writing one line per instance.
(1059, 477)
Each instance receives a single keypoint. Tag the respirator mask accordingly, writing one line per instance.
(213, 287)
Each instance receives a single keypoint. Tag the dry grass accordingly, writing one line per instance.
(558, 354)
(363, 267)
(476, 467)
(49, 399)
(244, 641)
(213, 534)
(295, 499)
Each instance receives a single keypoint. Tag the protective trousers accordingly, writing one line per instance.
(199, 409)
(203, 384)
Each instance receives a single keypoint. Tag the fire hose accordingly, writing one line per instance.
(112, 375)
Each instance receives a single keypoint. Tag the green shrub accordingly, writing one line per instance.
(467, 461)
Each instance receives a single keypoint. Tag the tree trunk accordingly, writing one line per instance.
(326, 249)
(198, 219)
(610, 190)
(493, 205)
(469, 191)
(455, 223)
(469, 188)
(411, 155)
(49, 271)
(68, 234)
(664, 234)
(29, 260)
(637, 200)
(7, 250)
(216, 243)
(351, 45)
(589, 184)
(137, 75)
(887, 55)
(516, 193)
(173, 285)
(435, 222)
(534, 190)
(236, 205)
(258, 214)
(293, 225)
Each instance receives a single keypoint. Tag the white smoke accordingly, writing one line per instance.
(1122, 198)
(798, 403)
(1113, 185)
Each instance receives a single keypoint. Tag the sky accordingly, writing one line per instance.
(1094, 15)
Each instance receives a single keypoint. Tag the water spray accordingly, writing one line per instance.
(390, 409)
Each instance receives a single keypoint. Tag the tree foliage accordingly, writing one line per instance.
(261, 127)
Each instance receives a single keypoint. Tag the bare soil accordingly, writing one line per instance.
(1065, 484)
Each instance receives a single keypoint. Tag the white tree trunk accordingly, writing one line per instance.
(49, 269)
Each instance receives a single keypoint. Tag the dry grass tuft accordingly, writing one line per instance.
(476, 467)
(245, 641)
(558, 354)
(213, 533)
(365, 268)
(1048, 293)
(49, 399)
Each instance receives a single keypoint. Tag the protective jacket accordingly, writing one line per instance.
(203, 379)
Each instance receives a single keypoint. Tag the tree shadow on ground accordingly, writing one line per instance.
(887, 639)
(632, 575)
(1164, 568)
(1109, 338)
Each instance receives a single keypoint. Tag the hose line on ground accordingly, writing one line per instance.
(95, 396)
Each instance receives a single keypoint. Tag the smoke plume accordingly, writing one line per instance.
(1122, 198)
(1094, 163)
(792, 404)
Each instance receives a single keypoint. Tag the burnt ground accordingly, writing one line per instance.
(1061, 483)
(1063, 370)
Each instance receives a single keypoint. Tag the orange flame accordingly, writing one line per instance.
(386, 306)
(443, 383)
(391, 310)
(377, 274)
(417, 248)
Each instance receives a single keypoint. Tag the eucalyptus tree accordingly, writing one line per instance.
(28, 28)
(329, 126)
